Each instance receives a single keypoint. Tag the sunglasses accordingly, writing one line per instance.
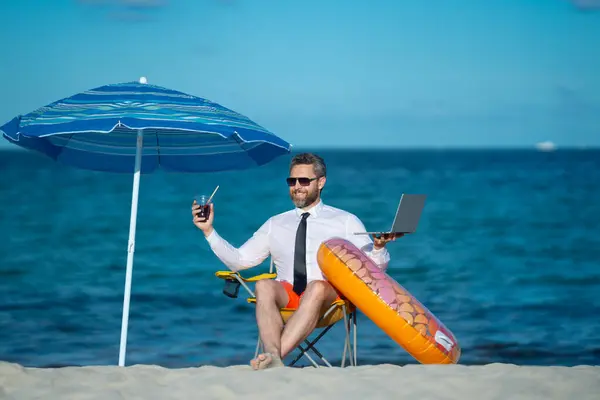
(302, 181)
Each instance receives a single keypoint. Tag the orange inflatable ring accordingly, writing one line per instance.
(391, 307)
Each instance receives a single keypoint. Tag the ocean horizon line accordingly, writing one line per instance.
(387, 149)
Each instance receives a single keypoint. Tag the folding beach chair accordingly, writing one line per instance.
(338, 310)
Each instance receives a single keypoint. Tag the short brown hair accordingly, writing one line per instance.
(310, 159)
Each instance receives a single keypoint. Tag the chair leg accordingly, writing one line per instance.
(355, 324)
(311, 346)
(347, 348)
(258, 346)
(349, 342)
(305, 353)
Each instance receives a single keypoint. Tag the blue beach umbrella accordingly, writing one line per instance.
(136, 128)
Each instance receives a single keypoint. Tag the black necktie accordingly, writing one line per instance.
(300, 256)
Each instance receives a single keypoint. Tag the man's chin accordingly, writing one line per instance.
(299, 204)
(302, 201)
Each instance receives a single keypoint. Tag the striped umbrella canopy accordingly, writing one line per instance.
(137, 128)
(99, 129)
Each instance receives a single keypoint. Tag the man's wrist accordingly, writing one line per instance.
(208, 232)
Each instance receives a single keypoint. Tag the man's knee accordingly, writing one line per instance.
(318, 290)
(266, 289)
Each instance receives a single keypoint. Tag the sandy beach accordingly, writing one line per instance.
(493, 381)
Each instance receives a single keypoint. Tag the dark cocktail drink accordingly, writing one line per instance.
(204, 210)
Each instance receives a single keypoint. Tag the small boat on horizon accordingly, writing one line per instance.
(545, 146)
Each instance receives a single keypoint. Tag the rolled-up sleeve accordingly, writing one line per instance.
(381, 257)
(254, 251)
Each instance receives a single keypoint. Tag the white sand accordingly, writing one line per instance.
(494, 381)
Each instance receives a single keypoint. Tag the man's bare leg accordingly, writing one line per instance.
(270, 298)
(316, 298)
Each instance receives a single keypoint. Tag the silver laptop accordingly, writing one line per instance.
(407, 215)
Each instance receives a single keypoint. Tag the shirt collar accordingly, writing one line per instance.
(314, 210)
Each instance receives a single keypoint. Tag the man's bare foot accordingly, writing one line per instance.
(266, 360)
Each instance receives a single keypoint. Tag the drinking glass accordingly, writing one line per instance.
(204, 211)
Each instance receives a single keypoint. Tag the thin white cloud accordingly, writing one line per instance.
(126, 3)
(126, 10)
(586, 4)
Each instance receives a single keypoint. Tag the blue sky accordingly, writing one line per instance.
(376, 73)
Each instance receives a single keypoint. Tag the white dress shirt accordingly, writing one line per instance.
(277, 237)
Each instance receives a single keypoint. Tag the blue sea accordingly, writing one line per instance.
(507, 256)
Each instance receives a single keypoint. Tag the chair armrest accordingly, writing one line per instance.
(233, 280)
(230, 275)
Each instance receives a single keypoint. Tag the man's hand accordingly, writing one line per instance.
(379, 241)
(205, 226)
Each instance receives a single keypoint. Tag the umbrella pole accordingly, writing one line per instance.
(131, 246)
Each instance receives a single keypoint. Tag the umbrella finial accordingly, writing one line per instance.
(143, 80)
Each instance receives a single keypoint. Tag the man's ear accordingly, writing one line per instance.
(321, 182)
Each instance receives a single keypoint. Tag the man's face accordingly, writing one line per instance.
(303, 196)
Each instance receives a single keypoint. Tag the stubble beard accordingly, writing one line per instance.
(301, 202)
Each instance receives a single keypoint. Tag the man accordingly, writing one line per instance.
(292, 239)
